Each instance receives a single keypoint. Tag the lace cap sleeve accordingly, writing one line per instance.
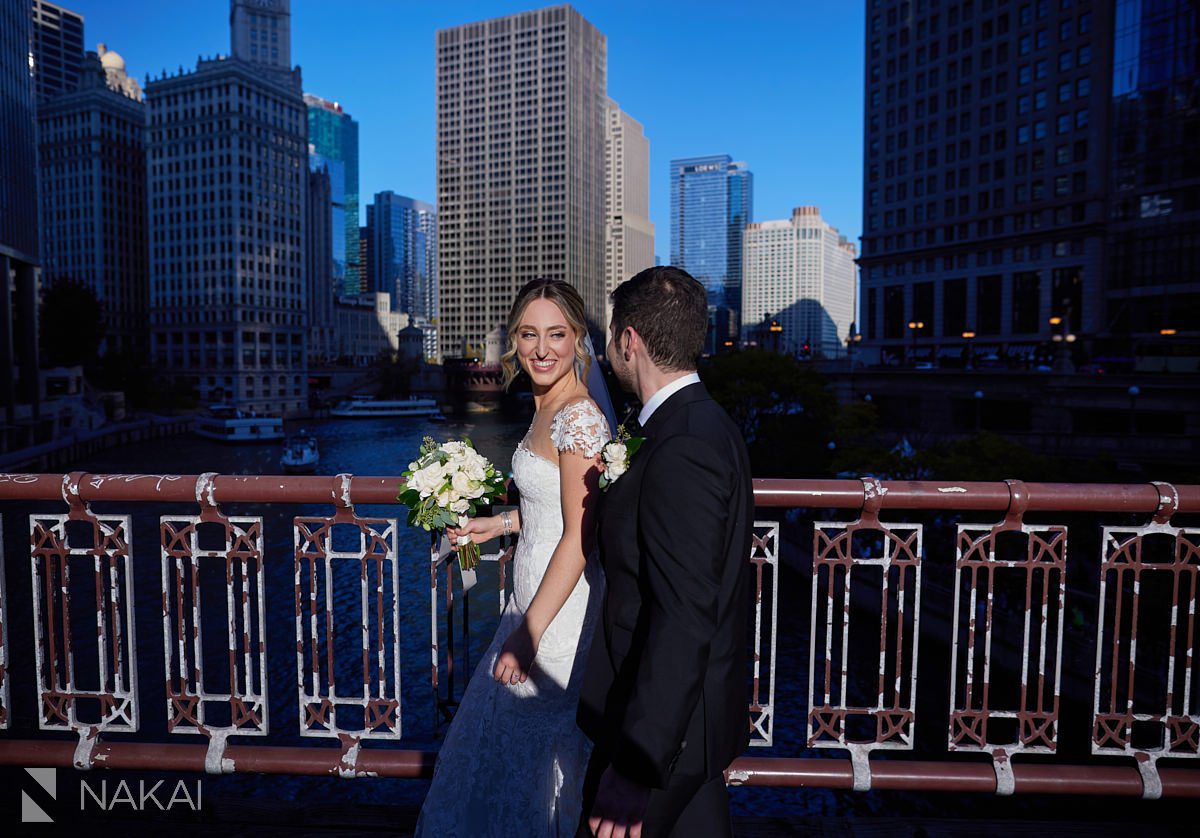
(580, 427)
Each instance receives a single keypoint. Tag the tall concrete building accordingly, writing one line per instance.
(333, 145)
(404, 248)
(800, 274)
(520, 166)
(986, 177)
(318, 251)
(712, 201)
(57, 49)
(18, 224)
(228, 185)
(629, 233)
(93, 196)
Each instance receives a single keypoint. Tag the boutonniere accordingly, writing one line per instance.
(617, 455)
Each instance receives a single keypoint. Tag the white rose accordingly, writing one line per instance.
(616, 468)
(454, 448)
(614, 452)
(427, 480)
(445, 498)
(460, 506)
(463, 484)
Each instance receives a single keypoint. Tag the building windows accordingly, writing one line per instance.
(988, 298)
(1026, 318)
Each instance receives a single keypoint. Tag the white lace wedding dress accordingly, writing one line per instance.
(513, 760)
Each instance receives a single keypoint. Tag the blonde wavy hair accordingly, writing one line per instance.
(563, 295)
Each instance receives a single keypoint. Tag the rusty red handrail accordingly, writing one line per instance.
(768, 492)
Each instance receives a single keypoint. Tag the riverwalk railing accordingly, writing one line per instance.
(996, 652)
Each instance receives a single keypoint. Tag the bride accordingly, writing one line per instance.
(513, 759)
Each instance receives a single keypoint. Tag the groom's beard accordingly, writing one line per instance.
(624, 375)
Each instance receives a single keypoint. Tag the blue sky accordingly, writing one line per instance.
(776, 84)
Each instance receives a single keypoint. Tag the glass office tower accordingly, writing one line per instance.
(712, 201)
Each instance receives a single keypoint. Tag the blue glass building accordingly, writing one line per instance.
(333, 144)
(712, 201)
(403, 245)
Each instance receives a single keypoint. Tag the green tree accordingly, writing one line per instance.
(71, 324)
(782, 407)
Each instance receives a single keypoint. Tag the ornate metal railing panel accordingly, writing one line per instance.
(1034, 557)
(5, 694)
(235, 559)
(99, 545)
(325, 708)
(1136, 713)
(764, 556)
(842, 553)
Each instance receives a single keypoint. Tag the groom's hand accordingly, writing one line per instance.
(620, 806)
(516, 656)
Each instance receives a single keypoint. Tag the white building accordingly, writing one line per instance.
(801, 274)
(520, 166)
(228, 167)
(628, 233)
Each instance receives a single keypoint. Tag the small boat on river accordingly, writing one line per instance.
(300, 454)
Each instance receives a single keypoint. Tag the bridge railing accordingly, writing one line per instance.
(1004, 594)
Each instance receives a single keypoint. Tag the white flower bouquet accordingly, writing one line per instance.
(447, 484)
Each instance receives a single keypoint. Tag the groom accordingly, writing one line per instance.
(665, 697)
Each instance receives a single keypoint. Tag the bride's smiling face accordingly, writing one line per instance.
(545, 343)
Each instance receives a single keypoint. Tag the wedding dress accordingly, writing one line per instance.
(513, 760)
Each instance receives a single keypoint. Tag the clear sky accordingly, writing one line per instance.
(777, 84)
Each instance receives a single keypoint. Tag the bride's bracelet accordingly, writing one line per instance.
(506, 520)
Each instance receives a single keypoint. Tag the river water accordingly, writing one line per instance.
(383, 447)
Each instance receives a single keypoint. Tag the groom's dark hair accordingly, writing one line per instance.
(668, 308)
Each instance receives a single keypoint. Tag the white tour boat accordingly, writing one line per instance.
(359, 407)
(226, 423)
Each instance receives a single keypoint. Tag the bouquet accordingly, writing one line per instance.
(445, 485)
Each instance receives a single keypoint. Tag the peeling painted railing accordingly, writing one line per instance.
(866, 572)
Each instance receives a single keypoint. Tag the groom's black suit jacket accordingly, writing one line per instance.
(666, 687)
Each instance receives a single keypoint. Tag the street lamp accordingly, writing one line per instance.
(775, 330)
(968, 336)
(978, 408)
(1134, 391)
(915, 326)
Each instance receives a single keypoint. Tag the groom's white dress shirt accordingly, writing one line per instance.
(664, 393)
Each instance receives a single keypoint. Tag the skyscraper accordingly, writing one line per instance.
(228, 158)
(629, 233)
(57, 49)
(520, 157)
(1153, 300)
(404, 247)
(318, 250)
(18, 220)
(986, 176)
(799, 273)
(93, 194)
(712, 201)
(333, 144)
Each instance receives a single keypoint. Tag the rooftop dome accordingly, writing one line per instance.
(111, 59)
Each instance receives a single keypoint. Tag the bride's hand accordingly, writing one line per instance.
(516, 656)
(478, 529)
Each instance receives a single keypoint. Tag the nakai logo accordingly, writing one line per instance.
(148, 798)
